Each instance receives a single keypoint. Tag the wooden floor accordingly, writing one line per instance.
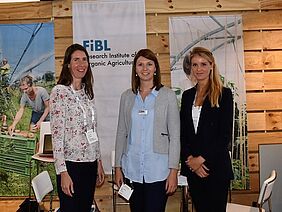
(103, 197)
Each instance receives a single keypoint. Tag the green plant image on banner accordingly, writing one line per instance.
(25, 50)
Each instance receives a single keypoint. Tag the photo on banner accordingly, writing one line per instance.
(112, 31)
(223, 36)
(26, 50)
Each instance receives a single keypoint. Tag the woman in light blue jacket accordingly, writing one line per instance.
(148, 137)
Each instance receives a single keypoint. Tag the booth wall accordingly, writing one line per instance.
(262, 26)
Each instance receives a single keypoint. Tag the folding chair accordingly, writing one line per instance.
(264, 196)
(42, 185)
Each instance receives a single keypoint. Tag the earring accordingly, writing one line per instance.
(155, 73)
(68, 65)
(136, 75)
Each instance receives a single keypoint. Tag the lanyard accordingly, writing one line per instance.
(83, 110)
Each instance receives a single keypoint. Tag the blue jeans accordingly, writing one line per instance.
(35, 116)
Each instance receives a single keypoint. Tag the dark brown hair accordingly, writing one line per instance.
(66, 77)
(135, 80)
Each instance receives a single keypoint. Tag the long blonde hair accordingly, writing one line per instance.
(215, 86)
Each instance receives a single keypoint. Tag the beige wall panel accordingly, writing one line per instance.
(157, 23)
(22, 11)
(272, 39)
(252, 40)
(273, 120)
(253, 162)
(62, 8)
(175, 6)
(63, 27)
(164, 62)
(257, 138)
(263, 81)
(254, 81)
(254, 182)
(256, 121)
(253, 61)
(270, 4)
(264, 101)
(272, 60)
(267, 40)
(61, 45)
(267, 60)
(272, 80)
(262, 20)
(165, 71)
(158, 43)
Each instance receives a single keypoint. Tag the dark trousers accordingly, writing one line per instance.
(83, 175)
(209, 195)
(148, 197)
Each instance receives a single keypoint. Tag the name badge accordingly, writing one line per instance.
(125, 191)
(143, 112)
(91, 136)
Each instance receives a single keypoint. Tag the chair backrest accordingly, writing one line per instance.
(45, 129)
(42, 185)
(113, 158)
(266, 189)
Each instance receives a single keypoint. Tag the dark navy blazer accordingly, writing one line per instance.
(213, 136)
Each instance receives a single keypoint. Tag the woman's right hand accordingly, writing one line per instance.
(118, 176)
(202, 171)
(66, 183)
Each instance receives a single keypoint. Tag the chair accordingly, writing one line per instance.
(39, 156)
(115, 187)
(183, 184)
(264, 196)
(42, 185)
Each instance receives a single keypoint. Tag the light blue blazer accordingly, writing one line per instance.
(166, 126)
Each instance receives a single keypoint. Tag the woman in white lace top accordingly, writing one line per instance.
(74, 133)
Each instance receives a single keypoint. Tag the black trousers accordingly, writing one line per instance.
(148, 197)
(83, 175)
(208, 194)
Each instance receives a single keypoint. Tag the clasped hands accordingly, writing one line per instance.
(196, 164)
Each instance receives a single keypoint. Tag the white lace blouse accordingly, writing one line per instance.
(67, 127)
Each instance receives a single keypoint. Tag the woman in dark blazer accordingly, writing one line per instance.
(206, 130)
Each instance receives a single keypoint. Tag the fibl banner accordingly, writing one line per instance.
(112, 31)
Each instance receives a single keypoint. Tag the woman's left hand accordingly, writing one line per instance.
(171, 182)
(101, 174)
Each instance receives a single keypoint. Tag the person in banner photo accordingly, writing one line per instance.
(37, 98)
(5, 69)
(76, 146)
(147, 145)
(206, 130)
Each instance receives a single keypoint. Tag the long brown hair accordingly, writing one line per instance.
(215, 84)
(66, 77)
(135, 80)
